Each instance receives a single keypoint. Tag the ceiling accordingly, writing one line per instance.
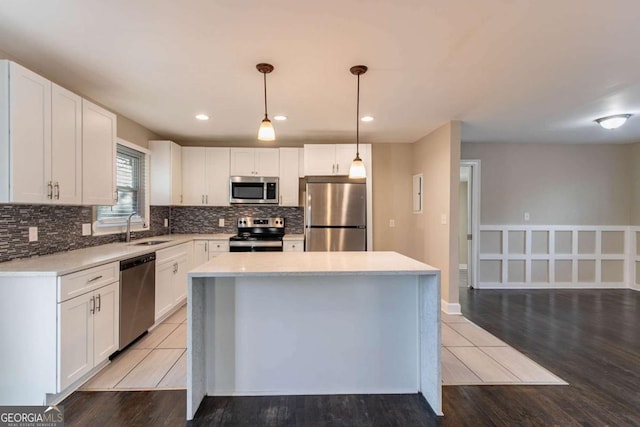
(511, 70)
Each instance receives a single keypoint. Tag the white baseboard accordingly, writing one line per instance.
(450, 308)
(547, 285)
(462, 266)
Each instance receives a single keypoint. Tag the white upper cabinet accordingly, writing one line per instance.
(254, 162)
(193, 164)
(25, 144)
(166, 173)
(98, 155)
(66, 146)
(205, 176)
(48, 137)
(330, 159)
(217, 176)
(289, 176)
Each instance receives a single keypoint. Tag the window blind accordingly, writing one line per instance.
(130, 185)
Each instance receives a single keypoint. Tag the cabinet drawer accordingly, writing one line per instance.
(293, 246)
(75, 284)
(218, 245)
(172, 252)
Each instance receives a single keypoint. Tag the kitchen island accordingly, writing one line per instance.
(278, 323)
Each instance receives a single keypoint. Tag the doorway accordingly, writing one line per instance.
(468, 233)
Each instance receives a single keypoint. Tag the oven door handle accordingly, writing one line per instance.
(250, 244)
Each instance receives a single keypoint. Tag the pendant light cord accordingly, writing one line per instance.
(266, 116)
(357, 120)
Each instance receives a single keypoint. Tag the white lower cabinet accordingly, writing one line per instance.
(200, 252)
(172, 265)
(293, 245)
(88, 328)
(217, 247)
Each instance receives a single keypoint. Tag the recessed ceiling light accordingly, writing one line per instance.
(202, 117)
(613, 122)
(366, 119)
(280, 118)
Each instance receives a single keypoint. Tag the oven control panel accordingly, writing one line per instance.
(249, 222)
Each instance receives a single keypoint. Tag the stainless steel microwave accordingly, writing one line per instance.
(253, 189)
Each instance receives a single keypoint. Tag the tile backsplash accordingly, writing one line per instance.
(60, 227)
(196, 219)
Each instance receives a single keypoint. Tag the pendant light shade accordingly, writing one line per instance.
(357, 169)
(266, 131)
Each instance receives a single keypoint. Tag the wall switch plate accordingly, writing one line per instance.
(33, 234)
(86, 229)
(221, 222)
(443, 219)
(526, 216)
(392, 223)
(166, 222)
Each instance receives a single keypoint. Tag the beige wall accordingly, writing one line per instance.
(559, 184)
(391, 164)
(437, 156)
(134, 132)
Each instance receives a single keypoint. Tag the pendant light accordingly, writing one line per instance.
(265, 132)
(357, 169)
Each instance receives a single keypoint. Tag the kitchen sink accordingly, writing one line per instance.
(150, 242)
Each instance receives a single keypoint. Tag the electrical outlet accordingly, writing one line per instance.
(443, 219)
(33, 234)
(392, 223)
(86, 229)
(526, 216)
(221, 222)
(166, 222)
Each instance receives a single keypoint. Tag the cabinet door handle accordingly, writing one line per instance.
(281, 199)
(207, 198)
(206, 246)
(99, 303)
(92, 310)
(115, 197)
(94, 279)
(338, 168)
(175, 267)
(56, 187)
(181, 198)
(49, 190)
(203, 199)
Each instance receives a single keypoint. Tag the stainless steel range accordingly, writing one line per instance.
(258, 235)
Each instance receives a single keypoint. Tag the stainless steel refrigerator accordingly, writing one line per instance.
(335, 215)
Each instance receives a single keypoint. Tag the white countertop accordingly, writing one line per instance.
(62, 263)
(238, 264)
(297, 237)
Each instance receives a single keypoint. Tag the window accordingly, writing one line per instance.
(132, 180)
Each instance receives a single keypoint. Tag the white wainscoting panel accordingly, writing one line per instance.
(559, 256)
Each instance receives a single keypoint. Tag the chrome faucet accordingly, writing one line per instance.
(127, 237)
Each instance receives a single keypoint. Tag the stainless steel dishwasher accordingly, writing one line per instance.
(137, 297)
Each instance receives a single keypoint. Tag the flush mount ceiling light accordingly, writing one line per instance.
(266, 131)
(613, 122)
(202, 117)
(357, 169)
(366, 119)
(280, 118)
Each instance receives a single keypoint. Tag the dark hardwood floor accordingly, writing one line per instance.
(590, 338)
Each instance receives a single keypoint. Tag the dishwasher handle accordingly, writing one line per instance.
(134, 262)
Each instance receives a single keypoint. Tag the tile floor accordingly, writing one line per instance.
(470, 356)
(156, 362)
